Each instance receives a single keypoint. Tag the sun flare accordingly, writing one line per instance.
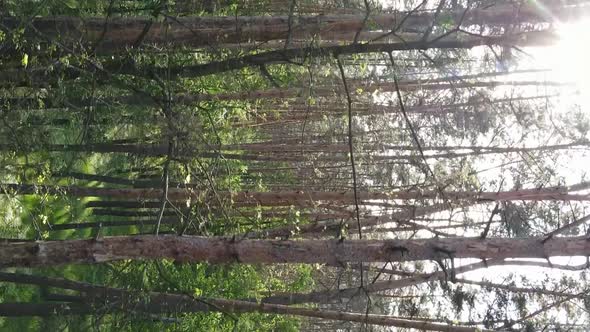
(569, 59)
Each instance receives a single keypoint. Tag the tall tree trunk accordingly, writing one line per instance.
(101, 178)
(116, 299)
(116, 34)
(366, 221)
(304, 198)
(334, 252)
(328, 296)
(43, 309)
(413, 279)
(444, 83)
(330, 151)
(116, 223)
(371, 146)
(535, 38)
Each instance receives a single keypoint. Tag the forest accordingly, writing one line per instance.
(294, 165)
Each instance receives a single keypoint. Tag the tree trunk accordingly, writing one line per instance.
(116, 223)
(365, 221)
(371, 146)
(334, 252)
(535, 38)
(43, 309)
(116, 299)
(116, 34)
(413, 279)
(305, 198)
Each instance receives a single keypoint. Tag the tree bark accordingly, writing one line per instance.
(334, 252)
(116, 34)
(305, 198)
(116, 299)
(536, 38)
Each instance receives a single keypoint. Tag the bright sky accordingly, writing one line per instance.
(569, 61)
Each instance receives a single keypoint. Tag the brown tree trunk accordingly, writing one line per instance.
(190, 304)
(305, 198)
(535, 38)
(115, 299)
(119, 33)
(334, 252)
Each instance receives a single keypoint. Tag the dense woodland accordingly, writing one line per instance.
(292, 165)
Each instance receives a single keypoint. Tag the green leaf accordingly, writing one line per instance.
(72, 4)
(25, 60)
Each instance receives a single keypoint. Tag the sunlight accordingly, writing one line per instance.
(568, 59)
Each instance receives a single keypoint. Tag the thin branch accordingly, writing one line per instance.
(441, 4)
(351, 148)
(365, 20)
(565, 227)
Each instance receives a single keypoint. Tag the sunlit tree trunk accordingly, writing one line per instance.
(118, 33)
(334, 252)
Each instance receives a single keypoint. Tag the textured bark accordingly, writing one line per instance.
(305, 198)
(334, 252)
(119, 33)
